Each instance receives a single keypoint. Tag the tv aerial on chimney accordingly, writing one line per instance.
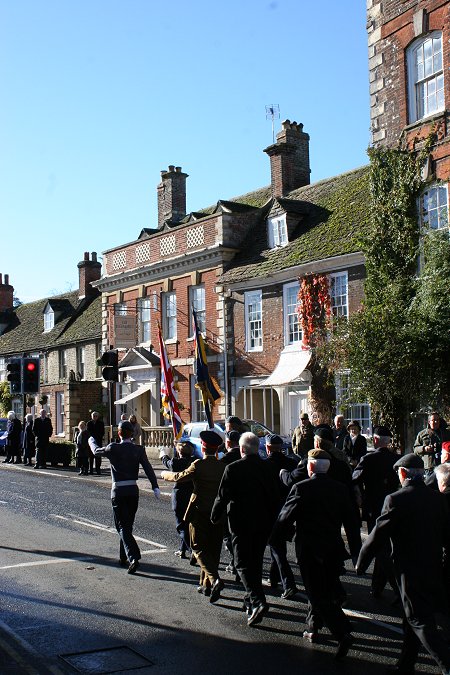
(273, 113)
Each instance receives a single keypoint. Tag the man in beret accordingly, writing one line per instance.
(249, 494)
(375, 477)
(181, 492)
(415, 522)
(280, 568)
(205, 537)
(319, 506)
(303, 436)
(125, 458)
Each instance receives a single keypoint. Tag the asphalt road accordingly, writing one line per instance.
(66, 606)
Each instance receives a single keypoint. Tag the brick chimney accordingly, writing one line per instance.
(289, 159)
(89, 270)
(172, 195)
(6, 294)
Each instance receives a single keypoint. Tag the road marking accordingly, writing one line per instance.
(105, 528)
(24, 663)
(44, 562)
(3, 502)
(25, 499)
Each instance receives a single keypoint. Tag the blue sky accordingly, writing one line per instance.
(99, 95)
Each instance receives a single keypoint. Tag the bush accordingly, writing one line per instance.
(60, 452)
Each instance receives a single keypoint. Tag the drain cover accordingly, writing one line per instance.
(109, 660)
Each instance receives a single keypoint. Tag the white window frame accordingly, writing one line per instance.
(120, 309)
(338, 306)
(435, 213)
(169, 307)
(420, 85)
(292, 327)
(352, 411)
(197, 301)
(253, 321)
(81, 361)
(49, 319)
(2, 369)
(59, 413)
(144, 313)
(277, 231)
(62, 363)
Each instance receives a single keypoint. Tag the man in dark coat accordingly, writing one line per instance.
(182, 491)
(280, 568)
(13, 439)
(249, 494)
(443, 481)
(376, 478)
(415, 520)
(205, 537)
(42, 430)
(95, 428)
(428, 444)
(319, 506)
(339, 431)
(355, 444)
(232, 454)
(303, 436)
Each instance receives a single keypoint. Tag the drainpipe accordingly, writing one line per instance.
(225, 357)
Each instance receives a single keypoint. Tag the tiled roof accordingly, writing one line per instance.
(333, 213)
(80, 320)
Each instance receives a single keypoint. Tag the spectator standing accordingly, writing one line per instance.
(28, 440)
(95, 428)
(249, 494)
(182, 490)
(83, 451)
(339, 431)
(303, 436)
(125, 458)
(415, 521)
(13, 439)
(428, 443)
(137, 431)
(232, 454)
(355, 444)
(43, 430)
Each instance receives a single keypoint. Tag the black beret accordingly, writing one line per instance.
(325, 433)
(274, 439)
(210, 438)
(233, 436)
(304, 416)
(382, 431)
(126, 426)
(409, 461)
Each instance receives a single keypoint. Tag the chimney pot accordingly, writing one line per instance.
(171, 168)
(94, 256)
(86, 255)
(6, 294)
(7, 279)
(178, 169)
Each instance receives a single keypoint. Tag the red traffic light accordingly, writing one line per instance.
(31, 366)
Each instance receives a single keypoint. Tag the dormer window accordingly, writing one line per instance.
(277, 231)
(49, 319)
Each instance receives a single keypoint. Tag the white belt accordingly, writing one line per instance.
(123, 483)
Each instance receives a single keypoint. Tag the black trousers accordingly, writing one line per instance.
(280, 568)
(41, 452)
(124, 510)
(321, 580)
(98, 462)
(248, 550)
(421, 630)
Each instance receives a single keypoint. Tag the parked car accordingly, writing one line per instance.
(191, 432)
(3, 423)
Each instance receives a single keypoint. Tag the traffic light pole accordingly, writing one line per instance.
(111, 406)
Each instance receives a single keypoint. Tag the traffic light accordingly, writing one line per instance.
(30, 376)
(110, 361)
(14, 377)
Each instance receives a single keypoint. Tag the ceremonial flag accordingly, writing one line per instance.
(209, 388)
(169, 402)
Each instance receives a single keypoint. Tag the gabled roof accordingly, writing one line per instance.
(79, 321)
(334, 213)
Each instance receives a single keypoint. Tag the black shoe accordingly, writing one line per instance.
(344, 645)
(247, 609)
(123, 562)
(99, 473)
(91, 473)
(193, 560)
(257, 615)
(134, 564)
(310, 636)
(215, 590)
(205, 590)
(180, 554)
(81, 473)
(289, 593)
(269, 583)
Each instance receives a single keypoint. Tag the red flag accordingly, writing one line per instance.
(169, 402)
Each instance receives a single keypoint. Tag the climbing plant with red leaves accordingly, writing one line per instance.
(314, 307)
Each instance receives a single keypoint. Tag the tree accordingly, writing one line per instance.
(5, 399)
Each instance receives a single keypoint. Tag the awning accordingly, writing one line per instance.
(134, 394)
(289, 367)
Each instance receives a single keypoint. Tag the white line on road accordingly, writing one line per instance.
(25, 499)
(3, 502)
(105, 528)
(54, 561)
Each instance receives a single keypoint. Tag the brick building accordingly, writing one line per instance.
(217, 260)
(409, 61)
(64, 331)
